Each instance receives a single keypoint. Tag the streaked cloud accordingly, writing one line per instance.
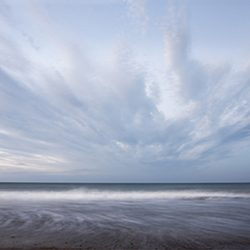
(70, 109)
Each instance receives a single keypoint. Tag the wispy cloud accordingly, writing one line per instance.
(64, 111)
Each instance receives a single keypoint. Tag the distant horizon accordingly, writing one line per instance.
(30, 182)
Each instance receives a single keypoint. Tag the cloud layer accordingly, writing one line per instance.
(70, 111)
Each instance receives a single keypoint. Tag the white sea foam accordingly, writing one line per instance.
(87, 194)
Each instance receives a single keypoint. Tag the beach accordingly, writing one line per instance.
(125, 216)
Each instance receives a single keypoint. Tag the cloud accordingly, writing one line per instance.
(138, 13)
(64, 112)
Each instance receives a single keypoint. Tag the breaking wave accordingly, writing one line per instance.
(83, 194)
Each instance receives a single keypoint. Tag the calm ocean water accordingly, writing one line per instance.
(125, 216)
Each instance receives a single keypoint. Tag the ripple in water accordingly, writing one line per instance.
(101, 217)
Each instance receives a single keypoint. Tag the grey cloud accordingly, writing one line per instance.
(76, 120)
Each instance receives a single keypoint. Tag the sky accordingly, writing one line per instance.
(125, 91)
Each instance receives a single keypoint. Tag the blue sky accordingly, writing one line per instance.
(125, 91)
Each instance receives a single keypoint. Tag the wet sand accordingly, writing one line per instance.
(133, 240)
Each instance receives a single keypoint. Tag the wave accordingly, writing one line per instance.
(88, 195)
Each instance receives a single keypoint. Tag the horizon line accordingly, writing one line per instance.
(37, 182)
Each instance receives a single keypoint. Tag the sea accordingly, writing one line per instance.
(124, 216)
